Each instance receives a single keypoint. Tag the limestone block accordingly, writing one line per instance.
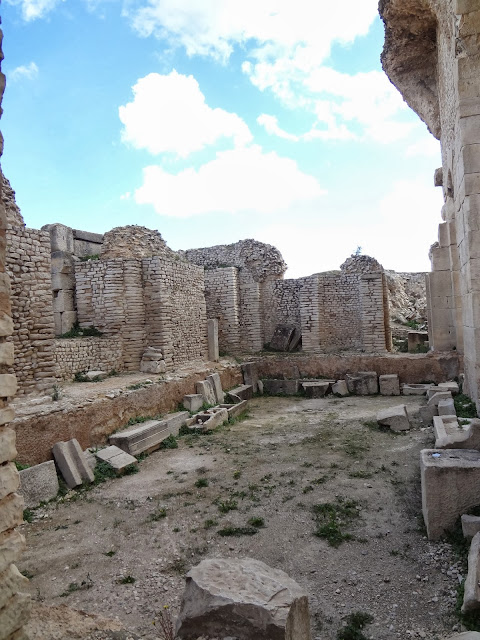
(395, 417)
(242, 598)
(451, 386)
(57, 320)
(212, 338)
(206, 390)
(465, 6)
(62, 281)
(235, 410)
(470, 525)
(8, 385)
(209, 421)
(7, 445)
(389, 385)
(12, 544)
(449, 434)
(72, 463)
(416, 339)
(216, 383)
(6, 325)
(466, 635)
(9, 479)
(11, 582)
(193, 402)
(471, 598)
(96, 375)
(68, 320)
(38, 483)
(433, 389)
(450, 487)
(116, 458)
(446, 407)
(340, 388)
(63, 301)
(6, 353)
(250, 374)
(315, 389)
(61, 237)
(282, 338)
(175, 421)
(11, 511)
(363, 383)
(440, 395)
(148, 436)
(15, 614)
(280, 387)
(153, 366)
(6, 415)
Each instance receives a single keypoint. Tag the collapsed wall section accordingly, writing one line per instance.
(28, 265)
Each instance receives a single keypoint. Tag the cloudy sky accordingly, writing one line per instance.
(217, 120)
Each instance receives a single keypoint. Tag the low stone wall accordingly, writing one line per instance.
(92, 422)
(85, 354)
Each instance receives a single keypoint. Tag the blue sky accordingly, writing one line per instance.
(217, 120)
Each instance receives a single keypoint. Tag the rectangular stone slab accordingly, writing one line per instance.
(145, 438)
(244, 392)
(72, 463)
(450, 487)
(235, 410)
(206, 390)
(116, 458)
(316, 388)
(38, 483)
(193, 402)
(280, 387)
(216, 383)
(282, 337)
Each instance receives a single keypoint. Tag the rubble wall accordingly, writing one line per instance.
(84, 354)
(28, 264)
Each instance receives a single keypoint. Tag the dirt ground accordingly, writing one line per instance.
(122, 548)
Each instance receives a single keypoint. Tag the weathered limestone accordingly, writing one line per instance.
(38, 483)
(284, 337)
(212, 337)
(471, 598)
(438, 397)
(242, 598)
(446, 407)
(211, 419)
(116, 458)
(340, 388)
(250, 375)
(216, 383)
(451, 386)
(316, 388)
(72, 463)
(152, 361)
(449, 434)
(206, 389)
(427, 413)
(193, 402)
(281, 387)
(395, 417)
(415, 389)
(470, 525)
(243, 392)
(235, 410)
(363, 383)
(148, 436)
(450, 487)
(389, 385)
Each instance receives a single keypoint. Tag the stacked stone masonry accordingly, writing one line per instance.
(85, 354)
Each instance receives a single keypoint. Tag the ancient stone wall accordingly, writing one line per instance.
(28, 265)
(222, 297)
(14, 603)
(281, 305)
(86, 354)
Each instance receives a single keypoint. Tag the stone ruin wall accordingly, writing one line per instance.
(281, 305)
(74, 355)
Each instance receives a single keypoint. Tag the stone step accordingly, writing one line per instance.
(116, 458)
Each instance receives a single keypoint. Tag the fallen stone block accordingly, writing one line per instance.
(116, 458)
(235, 410)
(470, 525)
(451, 386)
(395, 417)
(415, 389)
(250, 375)
(283, 337)
(450, 487)
(206, 390)
(90, 458)
(244, 599)
(427, 413)
(243, 392)
(315, 389)
(38, 483)
(96, 375)
(340, 388)
(216, 383)
(363, 383)
(449, 434)
(143, 438)
(193, 402)
(471, 597)
(439, 395)
(210, 420)
(280, 387)
(389, 385)
(446, 407)
(72, 463)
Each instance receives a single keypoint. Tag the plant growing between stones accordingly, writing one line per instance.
(464, 406)
(127, 580)
(167, 628)
(354, 624)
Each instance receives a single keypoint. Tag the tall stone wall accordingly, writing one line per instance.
(222, 297)
(281, 305)
(87, 354)
(14, 603)
(28, 265)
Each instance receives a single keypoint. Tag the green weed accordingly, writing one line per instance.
(332, 519)
(354, 623)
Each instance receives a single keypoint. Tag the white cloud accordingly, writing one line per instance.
(28, 71)
(33, 9)
(169, 114)
(240, 180)
(270, 124)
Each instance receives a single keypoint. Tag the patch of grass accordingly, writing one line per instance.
(208, 524)
(139, 385)
(131, 469)
(224, 506)
(138, 420)
(464, 406)
(110, 553)
(28, 515)
(201, 482)
(94, 256)
(332, 519)
(102, 472)
(240, 418)
(354, 623)
(238, 531)
(169, 443)
(27, 574)
(20, 466)
(157, 515)
(355, 445)
(257, 522)
(74, 586)
(127, 580)
(307, 489)
(360, 474)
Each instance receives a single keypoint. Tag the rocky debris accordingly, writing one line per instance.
(38, 483)
(95, 375)
(133, 242)
(72, 463)
(395, 417)
(408, 297)
(152, 361)
(245, 599)
(12, 210)
(361, 264)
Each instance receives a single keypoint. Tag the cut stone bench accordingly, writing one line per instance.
(449, 434)
(38, 483)
(72, 463)
(118, 459)
(243, 392)
(147, 436)
(450, 487)
(274, 387)
(317, 388)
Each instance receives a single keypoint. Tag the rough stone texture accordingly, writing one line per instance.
(428, 413)
(395, 417)
(250, 375)
(416, 340)
(438, 397)
(212, 418)
(340, 388)
(244, 599)
(389, 385)
(415, 389)
(450, 435)
(13, 215)
(316, 389)
(193, 402)
(466, 635)
(38, 483)
(72, 463)
(206, 389)
(446, 407)
(450, 487)
(216, 383)
(471, 598)
(235, 410)
(132, 242)
(282, 338)
(470, 525)
(116, 458)
(243, 392)
(407, 296)
(86, 354)
(212, 337)
(148, 436)
(363, 383)
(280, 387)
